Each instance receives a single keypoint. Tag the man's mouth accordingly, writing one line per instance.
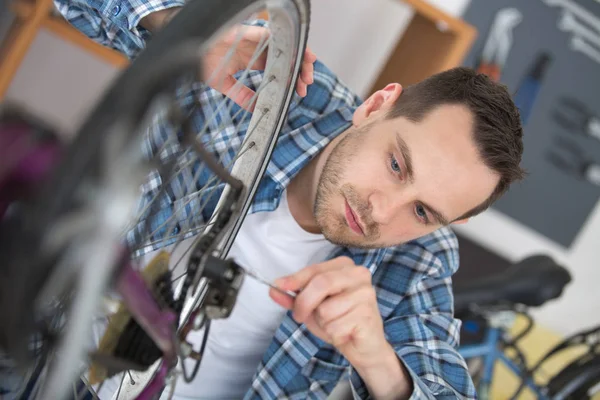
(352, 220)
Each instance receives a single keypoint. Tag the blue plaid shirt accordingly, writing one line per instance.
(412, 281)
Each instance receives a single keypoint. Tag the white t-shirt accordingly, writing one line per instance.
(273, 245)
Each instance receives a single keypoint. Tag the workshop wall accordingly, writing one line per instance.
(66, 88)
(554, 200)
(552, 211)
(365, 34)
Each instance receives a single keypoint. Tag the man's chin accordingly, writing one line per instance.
(346, 238)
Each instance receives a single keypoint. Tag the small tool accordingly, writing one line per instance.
(581, 45)
(576, 117)
(499, 43)
(262, 280)
(568, 23)
(570, 158)
(577, 10)
(530, 85)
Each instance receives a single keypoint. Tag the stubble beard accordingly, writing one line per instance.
(331, 223)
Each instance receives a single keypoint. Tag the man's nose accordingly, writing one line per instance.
(385, 206)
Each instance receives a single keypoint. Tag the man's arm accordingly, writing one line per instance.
(156, 20)
(410, 353)
(422, 330)
(123, 25)
(388, 379)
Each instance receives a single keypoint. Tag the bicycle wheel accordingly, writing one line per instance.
(580, 380)
(92, 205)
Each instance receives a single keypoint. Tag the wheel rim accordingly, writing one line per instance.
(283, 71)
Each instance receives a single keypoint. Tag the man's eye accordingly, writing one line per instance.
(421, 213)
(395, 166)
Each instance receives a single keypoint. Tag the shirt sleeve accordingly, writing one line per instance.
(113, 23)
(423, 331)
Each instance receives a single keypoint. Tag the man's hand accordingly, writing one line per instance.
(337, 302)
(219, 66)
(156, 20)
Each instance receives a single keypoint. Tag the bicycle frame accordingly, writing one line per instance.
(32, 163)
(158, 324)
(492, 353)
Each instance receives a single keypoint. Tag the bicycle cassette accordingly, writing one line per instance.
(125, 345)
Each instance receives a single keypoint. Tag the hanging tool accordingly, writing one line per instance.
(570, 158)
(568, 23)
(499, 42)
(574, 116)
(530, 85)
(580, 45)
(580, 12)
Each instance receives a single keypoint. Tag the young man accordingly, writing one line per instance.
(353, 213)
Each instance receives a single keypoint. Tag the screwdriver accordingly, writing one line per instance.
(262, 280)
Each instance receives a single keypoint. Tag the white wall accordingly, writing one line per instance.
(452, 7)
(355, 37)
(59, 82)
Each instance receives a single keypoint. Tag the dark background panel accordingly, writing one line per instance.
(550, 201)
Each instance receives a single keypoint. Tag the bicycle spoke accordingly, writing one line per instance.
(207, 185)
(38, 383)
(120, 386)
(262, 47)
(87, 388)
(182, 235)
(131, 381)
(208, 224)
(225, 60)
(184, 173)
(206, 198)
(95, 392)
(237, 86)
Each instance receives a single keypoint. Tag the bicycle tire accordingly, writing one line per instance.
(124, 103)
(576, 380)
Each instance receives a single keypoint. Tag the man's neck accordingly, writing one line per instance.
(302, 189)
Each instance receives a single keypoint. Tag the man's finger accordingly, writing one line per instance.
(259, 64)
(328, 284)
(336, 306)
(307, 73)
(237, 92)
(343, 329)
(298, 280)
(301, 88)
(282, 299)
(255, 34)
(309, 56)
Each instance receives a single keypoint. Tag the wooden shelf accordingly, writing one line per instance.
(62, 29)
(31, 16)
(433, 42)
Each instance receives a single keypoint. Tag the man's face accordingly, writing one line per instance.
(389, 181)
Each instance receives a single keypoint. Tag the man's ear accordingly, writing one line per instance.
(460, 221)
(379, 101)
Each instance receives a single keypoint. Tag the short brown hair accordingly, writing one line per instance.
(497, 128)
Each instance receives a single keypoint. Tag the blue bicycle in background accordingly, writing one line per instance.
(488, 308)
